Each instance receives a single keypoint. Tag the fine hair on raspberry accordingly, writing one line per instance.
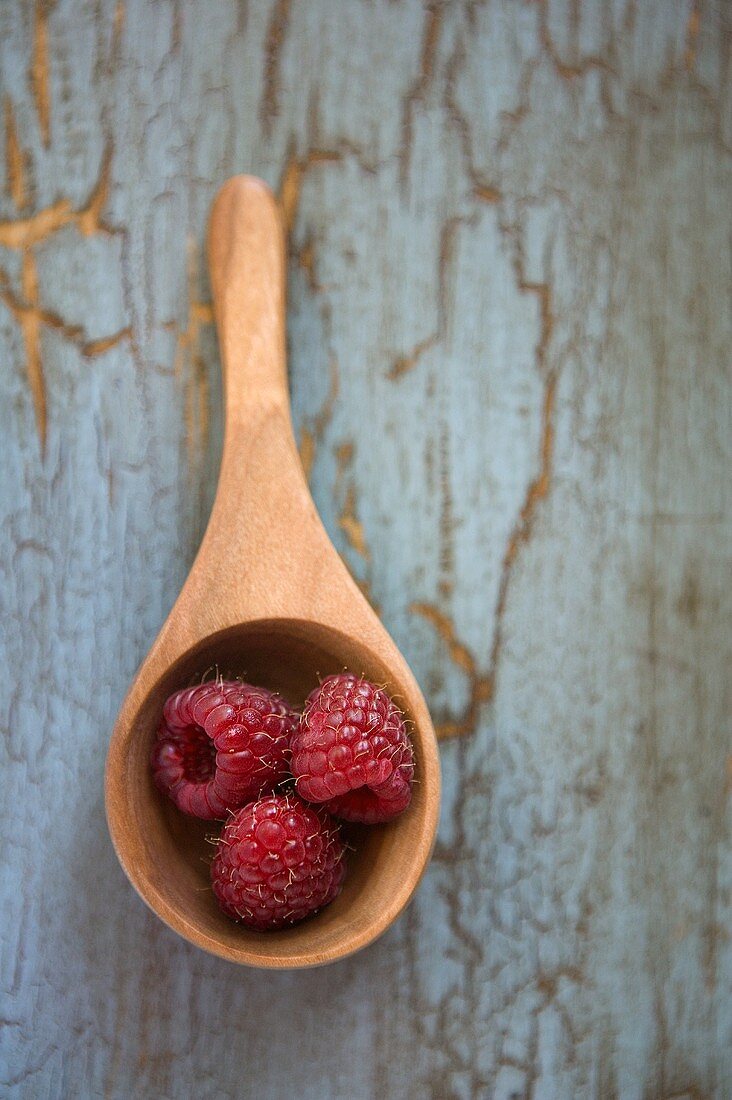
(220, 744)
(279, 860)
(351, 751)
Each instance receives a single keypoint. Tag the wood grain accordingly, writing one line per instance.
(509, 332)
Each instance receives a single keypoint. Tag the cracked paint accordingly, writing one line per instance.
(480, 684)
(39, 72)
(276, 31)
(415, 96)
(23, 234)
(291, 181)
(15, 159)
(403, 364)
(311, 436)
(199, 316)
(352, 526)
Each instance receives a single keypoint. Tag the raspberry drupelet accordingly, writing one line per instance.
(278, 861)
(351, 751)
(220, 745)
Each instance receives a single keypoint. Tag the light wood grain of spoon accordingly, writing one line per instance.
(267, 598)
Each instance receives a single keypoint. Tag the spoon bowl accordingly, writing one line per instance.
(269, 600)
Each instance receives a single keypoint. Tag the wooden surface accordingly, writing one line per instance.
(269, 600)
(509, 330)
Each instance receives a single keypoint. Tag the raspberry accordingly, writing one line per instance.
(221, 744)
(351, 751)
(278, 861)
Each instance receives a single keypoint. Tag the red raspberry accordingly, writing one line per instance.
(351, 751)
(220, 745)
(278, 861)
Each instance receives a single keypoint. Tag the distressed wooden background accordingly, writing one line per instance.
(509, 326)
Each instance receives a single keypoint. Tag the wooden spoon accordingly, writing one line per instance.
(269, 599)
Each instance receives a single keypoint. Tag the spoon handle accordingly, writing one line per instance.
(264, 548)
(246, 250)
